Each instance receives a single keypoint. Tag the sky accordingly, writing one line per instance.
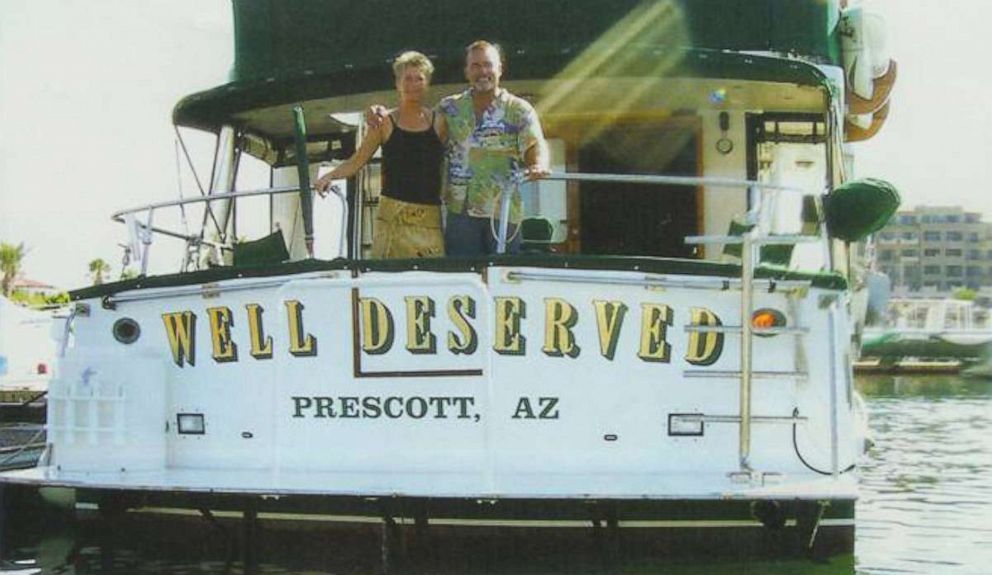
(87, 89)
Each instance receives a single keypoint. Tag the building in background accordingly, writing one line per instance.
(34, 287)
(936, 249)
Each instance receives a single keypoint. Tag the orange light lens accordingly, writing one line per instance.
(765, 319)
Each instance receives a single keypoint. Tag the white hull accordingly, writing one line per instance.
(562, 398)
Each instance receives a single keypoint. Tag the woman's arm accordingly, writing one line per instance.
(347, 168)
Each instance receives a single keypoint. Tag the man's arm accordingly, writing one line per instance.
(538, 160)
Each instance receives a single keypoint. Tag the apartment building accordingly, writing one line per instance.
(935, 249)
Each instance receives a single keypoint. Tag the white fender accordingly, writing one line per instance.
(855, 51)
(877, 37)
(868, 69)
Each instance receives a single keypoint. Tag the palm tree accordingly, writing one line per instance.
(98, 268)
(11, 257)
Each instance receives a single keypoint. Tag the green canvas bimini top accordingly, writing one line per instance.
(297, 50)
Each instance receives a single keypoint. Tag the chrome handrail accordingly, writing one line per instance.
(671, 180)
(119, 216)
(150, 210)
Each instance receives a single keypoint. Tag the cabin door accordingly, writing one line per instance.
(640, 219)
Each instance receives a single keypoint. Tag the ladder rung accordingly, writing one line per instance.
(714, 374)
(736, 329)
(785, 240)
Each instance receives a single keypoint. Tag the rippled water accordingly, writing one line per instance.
(925, 508)
(926, 497)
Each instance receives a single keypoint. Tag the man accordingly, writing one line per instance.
(494, 142)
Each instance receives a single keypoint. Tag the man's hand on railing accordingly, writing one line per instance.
(324, 185)
(375, 116)
(536, 172)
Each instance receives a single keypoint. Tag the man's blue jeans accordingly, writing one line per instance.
(466, 235)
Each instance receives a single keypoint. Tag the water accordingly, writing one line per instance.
(926, 499)
(926, 508)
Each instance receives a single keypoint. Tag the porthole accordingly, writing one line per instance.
(126, 330)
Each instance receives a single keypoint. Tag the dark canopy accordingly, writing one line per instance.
(296, 50)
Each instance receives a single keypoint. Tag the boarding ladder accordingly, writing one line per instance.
(751, 240)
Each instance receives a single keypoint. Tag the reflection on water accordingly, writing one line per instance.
(926, 508)
(926, 498)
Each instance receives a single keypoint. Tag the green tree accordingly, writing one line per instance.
(11, 257)
(98, 268)
(965, 294)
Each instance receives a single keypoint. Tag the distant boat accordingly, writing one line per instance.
(939, 332)
(27, 353)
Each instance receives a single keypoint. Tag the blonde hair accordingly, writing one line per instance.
(414, 59)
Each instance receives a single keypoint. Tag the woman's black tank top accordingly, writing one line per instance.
(411, 165)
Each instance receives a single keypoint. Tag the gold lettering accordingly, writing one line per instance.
(225, 350)
(301, 344)
(704, 348)
(459, 309)
(419, 311)
(377, 327)
(180, 328)
(509, 340)
(559, 319)
(261, 344)
(655, 319)
(609, 320)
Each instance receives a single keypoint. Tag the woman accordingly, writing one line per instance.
(408, 220)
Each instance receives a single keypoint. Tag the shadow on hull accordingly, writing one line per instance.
(126, 533)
